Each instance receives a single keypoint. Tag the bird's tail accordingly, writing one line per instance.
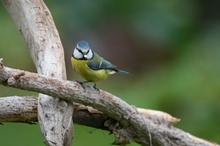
(122, 72)
(113, 71)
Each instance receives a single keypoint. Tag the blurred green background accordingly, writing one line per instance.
(172, 49)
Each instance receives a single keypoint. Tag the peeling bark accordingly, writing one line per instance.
(130, 125)
(127, 123)
(35, 23)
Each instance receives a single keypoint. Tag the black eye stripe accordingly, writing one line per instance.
(79, 50)
(82, 51)
(87, 52)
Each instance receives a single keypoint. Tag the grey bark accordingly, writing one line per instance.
(36, 25)
(37, 28)
(132, 125)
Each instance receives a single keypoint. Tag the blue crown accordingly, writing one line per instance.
(83, 44)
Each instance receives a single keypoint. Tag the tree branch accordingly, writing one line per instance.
(36, 25)
(133, 125)
(18, 109)
(24, 109)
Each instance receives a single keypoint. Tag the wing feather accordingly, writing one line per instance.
(98, 63)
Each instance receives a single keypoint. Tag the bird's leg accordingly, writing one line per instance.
(94, 86)
(84, 87)
(82, 84)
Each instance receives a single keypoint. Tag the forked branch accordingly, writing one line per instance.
(132, 124)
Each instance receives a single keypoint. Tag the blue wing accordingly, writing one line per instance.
(98, 63)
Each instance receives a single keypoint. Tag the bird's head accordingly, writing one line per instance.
(82, 51)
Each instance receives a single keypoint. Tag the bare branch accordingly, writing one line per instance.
(133, 125)
(24, 110)
(18, 109)
(36, 25)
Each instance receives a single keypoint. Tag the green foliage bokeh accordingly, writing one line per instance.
(171, 48)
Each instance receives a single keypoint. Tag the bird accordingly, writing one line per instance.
(90, 65)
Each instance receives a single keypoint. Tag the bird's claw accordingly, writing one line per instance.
(94, 86)
(84, 87)
(82, 84)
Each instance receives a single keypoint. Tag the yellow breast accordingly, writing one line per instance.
(82, 69)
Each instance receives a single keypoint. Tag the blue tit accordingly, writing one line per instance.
(90, 65)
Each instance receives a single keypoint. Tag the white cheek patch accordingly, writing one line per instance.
(89, 54)
(77, 54)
